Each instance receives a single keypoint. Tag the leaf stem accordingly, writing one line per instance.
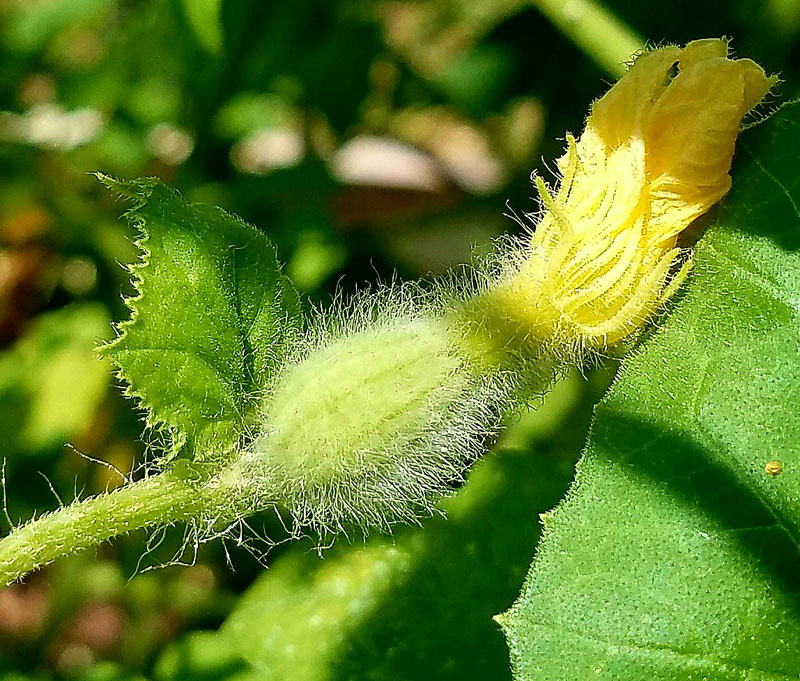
(158, 500)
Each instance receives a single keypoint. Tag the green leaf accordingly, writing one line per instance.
(51, 382)
(675, 555)
(204, 18)
(418, 606)
(202, 656)
(212, 319)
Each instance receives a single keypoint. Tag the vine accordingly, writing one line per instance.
(370, 414)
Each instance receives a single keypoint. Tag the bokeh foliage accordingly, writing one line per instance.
(365, 138)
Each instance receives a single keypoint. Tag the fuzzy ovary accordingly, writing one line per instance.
(371, 428)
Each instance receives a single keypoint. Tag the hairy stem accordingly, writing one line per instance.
(157, 500)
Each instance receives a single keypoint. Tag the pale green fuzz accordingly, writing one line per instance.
(354, 398)
(371, 427)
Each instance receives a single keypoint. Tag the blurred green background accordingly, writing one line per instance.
(366, 139)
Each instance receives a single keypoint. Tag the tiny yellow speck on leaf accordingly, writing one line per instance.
(773, 468)
(654, 156)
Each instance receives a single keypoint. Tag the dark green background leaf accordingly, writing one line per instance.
(417, 606)
(675, 556)
(212, 319)
(51, 382)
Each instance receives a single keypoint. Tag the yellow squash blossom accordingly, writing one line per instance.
(654, 156)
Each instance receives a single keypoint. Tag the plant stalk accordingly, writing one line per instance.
(595, 29)
(157, 500)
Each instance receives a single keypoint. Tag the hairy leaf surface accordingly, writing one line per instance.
(212, 318)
